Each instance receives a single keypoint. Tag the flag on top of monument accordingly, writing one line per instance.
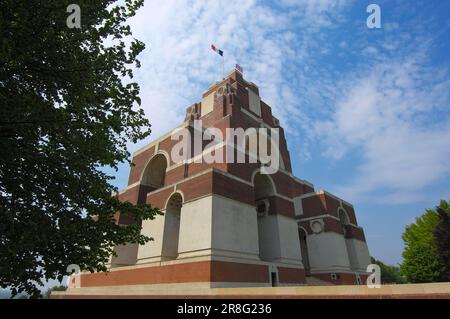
(216, 49)
(239, 68)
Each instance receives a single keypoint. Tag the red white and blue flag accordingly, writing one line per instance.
(216, 49)
(239, 68)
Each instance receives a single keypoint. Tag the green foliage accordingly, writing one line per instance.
(442, 236)
(389, 274)
(420, 262)
(54, 288)
(68, 108)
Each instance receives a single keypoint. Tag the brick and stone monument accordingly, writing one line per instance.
(228, 223)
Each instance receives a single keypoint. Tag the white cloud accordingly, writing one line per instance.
(179, 65)
(391, 26)
(370, 50)
(384, 110)
(390, 116)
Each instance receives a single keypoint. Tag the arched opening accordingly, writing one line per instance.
(350, 245)
(155, 172)
(263, 187)
(263, 190)
(152, 178)
(343, 218)
(304, 248)
(171, 227)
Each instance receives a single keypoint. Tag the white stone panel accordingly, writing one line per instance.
(235, 227)
(171, 232)
(268, 234)
(327, 251)
(358, 253)
(289, 240)
(126, 255)
(152, 228)
(278, 239)
(208, 103)
(298, 208)
(195, 225)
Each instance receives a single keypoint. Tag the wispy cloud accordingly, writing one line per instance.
(394, 114)
(178, 64)
(375, 94)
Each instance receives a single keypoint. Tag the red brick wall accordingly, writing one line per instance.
(313, 206)
(139, 162)
(333, 225)
(291, 275)
(167, 144)
(159, 198)
(236, 272)
(130, 195)
(325, 204)
(266, 114)
(342, 278)
(233, 189)
(354, 232)
(351, 213)
(332, 205)
(196, 168)
(281, 206)
(330, 225)
(196, 187)
(174, 175)
(284, 184)
(204, 271)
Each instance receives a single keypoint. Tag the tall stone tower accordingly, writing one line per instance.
(227, 224)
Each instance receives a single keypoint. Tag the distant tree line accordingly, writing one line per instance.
(389, 274)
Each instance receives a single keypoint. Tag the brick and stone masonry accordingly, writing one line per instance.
(227, 224)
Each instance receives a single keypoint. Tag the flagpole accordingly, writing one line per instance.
(223, 67)
(220, 52)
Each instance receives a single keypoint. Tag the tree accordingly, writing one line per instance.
(420, 261)
(442, 236)
(54, 288)
(389, 274)
(68, 108)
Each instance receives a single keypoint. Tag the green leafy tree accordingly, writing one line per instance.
(442, 236)
(420, 261)
(68, 108)
(389, 274)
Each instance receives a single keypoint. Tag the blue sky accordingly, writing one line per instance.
(366, 111)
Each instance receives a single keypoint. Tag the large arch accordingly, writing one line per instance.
(152, 178)
(257, 177)
(303, 234)
(172, 226)
(343, 218)
(352, 249)
(264, 188)
(154, 173)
